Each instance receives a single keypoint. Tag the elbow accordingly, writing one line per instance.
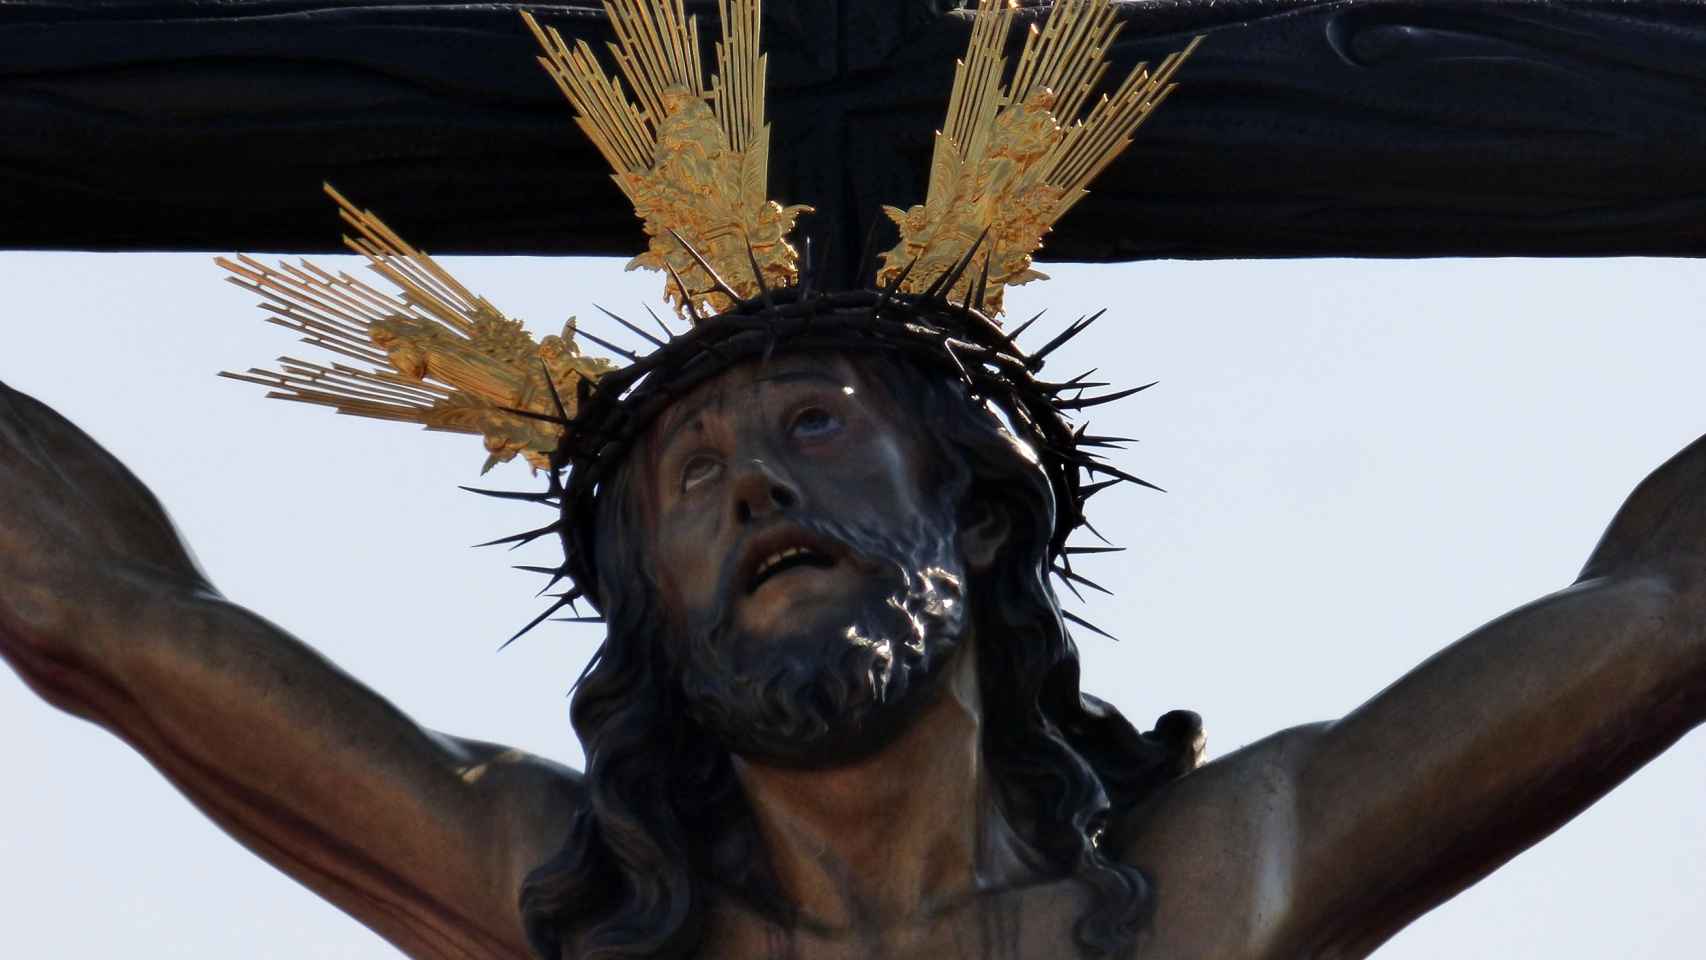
(1676, 597)
(38, 628)
(37, 640)
(1670, 596)
(1653, 594)
(1656, 620)
(34, 619)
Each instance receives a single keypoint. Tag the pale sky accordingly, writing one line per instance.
(1365, 459)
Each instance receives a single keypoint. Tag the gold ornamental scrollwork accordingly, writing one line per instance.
(1012, 158)
(693, 157)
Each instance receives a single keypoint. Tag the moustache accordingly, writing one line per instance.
(918, 549)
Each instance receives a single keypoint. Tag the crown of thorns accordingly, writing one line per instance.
(955, 340)
(1012, 157)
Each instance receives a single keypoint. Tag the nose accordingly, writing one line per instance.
(759, 492)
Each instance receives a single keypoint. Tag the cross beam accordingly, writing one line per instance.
(1348, 128)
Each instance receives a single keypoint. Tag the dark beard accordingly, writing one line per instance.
(843, 686)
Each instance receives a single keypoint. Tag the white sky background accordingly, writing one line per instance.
(1366, 459)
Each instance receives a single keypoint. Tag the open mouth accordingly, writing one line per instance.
(784, 560)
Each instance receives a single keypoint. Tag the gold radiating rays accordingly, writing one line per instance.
(692, 157)
(1011, 160)
(436, 354)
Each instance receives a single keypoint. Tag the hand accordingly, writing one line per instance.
(1662, 526)
(73, 522)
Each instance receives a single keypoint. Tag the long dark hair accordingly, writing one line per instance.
(663, 813)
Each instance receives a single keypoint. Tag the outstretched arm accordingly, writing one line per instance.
(1337, 835)
(424, 838)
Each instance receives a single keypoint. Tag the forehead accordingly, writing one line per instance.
(742, 382)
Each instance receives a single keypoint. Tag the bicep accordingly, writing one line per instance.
(1479, 752)
(423, 837)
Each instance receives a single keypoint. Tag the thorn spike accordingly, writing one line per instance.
(654, 341)
(1079, 404)
(606, 344)
(758, 275)
(717, 282)
(1072, 330)
(1089, 490)
(1021, 328)
(1069, 615)
(517, 539)
(900, 278)
(534, 415)
(544, 497)
(556, 398)
(944, 283)
(982, 282)
(1071, 577)
(1067, 582)
(686, 295)
(550, 571)
(536, 621)
(667, 332)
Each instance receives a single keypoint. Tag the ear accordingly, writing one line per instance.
(984, 526)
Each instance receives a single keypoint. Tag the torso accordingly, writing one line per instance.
(1217, 847)
(1028, 923)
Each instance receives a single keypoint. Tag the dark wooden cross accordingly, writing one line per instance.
(1348, 128)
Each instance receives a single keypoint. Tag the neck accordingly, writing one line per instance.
(897, 836)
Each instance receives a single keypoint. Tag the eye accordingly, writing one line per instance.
(814, 423)
(698, 470)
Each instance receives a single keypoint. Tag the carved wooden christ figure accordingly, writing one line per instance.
(837, 713)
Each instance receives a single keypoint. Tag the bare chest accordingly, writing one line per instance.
(1034, 923)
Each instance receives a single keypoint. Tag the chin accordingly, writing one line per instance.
(835, 687)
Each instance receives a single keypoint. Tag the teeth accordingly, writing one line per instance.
(778, 557)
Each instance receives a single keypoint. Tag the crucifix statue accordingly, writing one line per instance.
(821, 513)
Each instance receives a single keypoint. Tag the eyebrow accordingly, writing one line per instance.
(692, 414)
(795, 376)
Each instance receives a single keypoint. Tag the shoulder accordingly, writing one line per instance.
(532, 801)
(1219, 847)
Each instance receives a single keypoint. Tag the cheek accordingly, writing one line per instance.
(874, 481)
(875, 471)
(688, 569)
(897, 469)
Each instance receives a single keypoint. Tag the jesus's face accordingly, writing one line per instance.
(810, 576)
